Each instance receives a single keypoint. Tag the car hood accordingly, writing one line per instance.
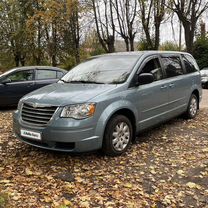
(63, 94)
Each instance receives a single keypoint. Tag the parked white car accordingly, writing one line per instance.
(204, 77)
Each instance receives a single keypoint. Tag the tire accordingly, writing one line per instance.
(192, 107)
(118, 136)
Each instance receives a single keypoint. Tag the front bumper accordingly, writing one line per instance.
(66, 135)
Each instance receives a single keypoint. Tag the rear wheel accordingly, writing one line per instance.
(118, 135)
(192, 107)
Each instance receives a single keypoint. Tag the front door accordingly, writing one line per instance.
(21, 83)
(152, 99)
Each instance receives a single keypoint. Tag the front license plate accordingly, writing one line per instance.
(30, 134)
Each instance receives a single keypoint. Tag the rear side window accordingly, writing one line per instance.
(59, 74)
(46, 74)
(153, 66)
(172, 66)
(190, 64)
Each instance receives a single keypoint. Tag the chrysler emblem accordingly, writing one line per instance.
(34, 105)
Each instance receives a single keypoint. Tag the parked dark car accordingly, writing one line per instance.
(204, 77)
(17, 82)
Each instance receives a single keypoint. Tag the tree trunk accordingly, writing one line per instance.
(189, 37)
(38, 60)
(157, 36)
(110, 43)
(131, 44)
(17, 59)
(54, 44)
(148, 37)
(22, 59)
(54, 63)
(77, 37)
(126, 40)
(77, 52)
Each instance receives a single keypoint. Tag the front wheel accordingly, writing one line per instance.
(118, 135)
(192, 107)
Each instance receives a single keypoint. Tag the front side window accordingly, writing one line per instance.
(26, 75)
(172, 66)
(190, 64)
(45, 74)
(153, 66)
(113, 69)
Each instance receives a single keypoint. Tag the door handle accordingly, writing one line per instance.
(163, 87)
(171, 85)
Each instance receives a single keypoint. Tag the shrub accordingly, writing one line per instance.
(200, 51)
(143, 45)
(169, 46)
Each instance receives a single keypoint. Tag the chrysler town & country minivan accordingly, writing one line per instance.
(105, 101)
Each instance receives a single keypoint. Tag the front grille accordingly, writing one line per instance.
(37, 115)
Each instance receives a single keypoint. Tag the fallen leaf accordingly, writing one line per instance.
(180, 172)
(193, 185)
(28, 171)
(128, 185)
(67, 202)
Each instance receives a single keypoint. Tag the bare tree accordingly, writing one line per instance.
(146, 14)
(152, 12)
(189, 12)
(126, 11)
(104, 21)
(159, 12)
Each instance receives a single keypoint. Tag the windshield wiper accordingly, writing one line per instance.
(64, 81)
(85, 82)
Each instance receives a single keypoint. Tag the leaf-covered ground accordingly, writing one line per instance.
(168, 167)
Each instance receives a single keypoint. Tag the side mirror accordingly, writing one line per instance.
(6, 81)
(145, 78)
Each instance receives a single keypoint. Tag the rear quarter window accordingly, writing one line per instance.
(190, 64)
(45, 74)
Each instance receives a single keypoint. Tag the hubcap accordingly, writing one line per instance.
(193, 106)
(121, 136)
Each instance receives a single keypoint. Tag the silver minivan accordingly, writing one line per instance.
(105, 101)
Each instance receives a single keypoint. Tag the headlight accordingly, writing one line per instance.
(78, 111)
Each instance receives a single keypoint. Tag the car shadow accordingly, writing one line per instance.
(7, 109)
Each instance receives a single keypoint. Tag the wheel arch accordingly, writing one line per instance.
(125, 108)
(127, 113)
(196, 93)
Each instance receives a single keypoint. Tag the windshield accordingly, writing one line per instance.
(102, 70)
(6, 73)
